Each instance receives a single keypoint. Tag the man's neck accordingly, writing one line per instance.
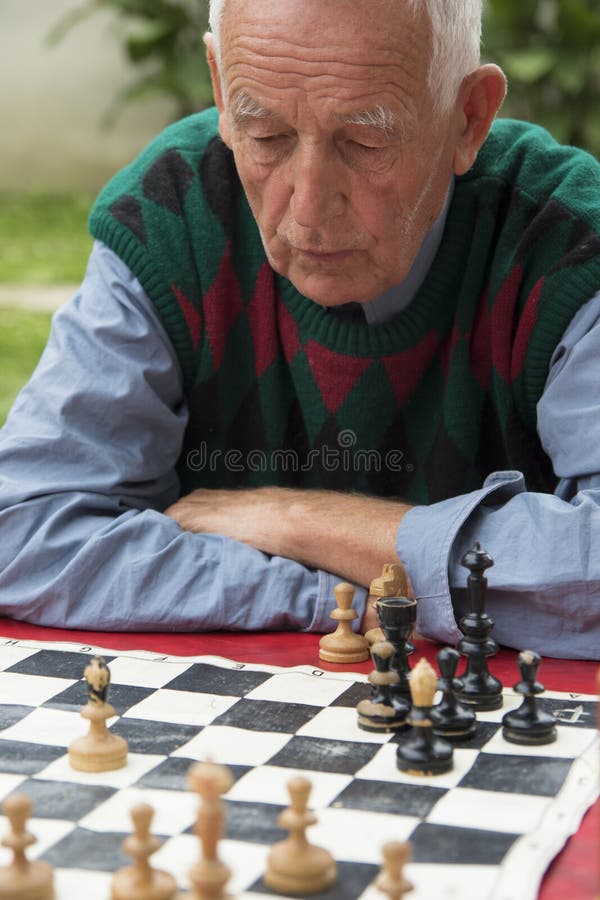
(398, 297)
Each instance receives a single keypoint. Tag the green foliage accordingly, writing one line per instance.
(43, 237)
(550, 51)
(163, 38)
(23, 335)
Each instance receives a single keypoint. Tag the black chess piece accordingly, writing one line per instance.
(450, 718)
(480, 689)
(397, 617)
(528, 724)
(420, 751)
(380, 712)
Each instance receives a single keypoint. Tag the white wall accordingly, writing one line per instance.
(52, 99)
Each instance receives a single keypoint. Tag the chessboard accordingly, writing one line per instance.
(502, 811)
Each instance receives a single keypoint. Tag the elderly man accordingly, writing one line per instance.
(340, 320)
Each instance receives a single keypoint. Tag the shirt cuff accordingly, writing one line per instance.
(325, 603)
(425, 541)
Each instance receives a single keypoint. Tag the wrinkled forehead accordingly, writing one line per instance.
(344, 41)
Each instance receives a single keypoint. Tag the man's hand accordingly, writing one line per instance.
(351, 535)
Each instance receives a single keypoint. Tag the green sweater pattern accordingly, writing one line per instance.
(284, 391)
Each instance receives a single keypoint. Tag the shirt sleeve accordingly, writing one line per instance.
(544, 587)
(87, 464)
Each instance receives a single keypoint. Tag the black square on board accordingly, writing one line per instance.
(161, 738)
(10, 714)
(352, 880)
(63, 799)
(322, 755)
(121, 696)
(206, 679)
(27, 757)
(353, 695)
(542, 776)
(55, 664)
(459, 846)
(84, 849)
(389, 797)
(484, 732)
(570, 711)
(267, 715)
(171, 774)
(254, 822)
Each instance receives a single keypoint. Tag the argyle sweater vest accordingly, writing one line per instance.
(283, 391)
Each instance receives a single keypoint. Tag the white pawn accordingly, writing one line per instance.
(344, 645)
(209, 875)
(140, 881)
(294, 866)
(391, 880)
(22, 879)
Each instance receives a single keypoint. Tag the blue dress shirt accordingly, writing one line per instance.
(87, 464)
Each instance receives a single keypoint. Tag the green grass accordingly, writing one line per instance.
(23, 336)
(44, 237)
(43, 241)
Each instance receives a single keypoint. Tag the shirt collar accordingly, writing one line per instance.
(398, 297)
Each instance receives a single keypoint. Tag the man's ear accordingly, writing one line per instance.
(480, 97)
(217, 85)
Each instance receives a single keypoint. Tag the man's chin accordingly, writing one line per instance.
(330, 289)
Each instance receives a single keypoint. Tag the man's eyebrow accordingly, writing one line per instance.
(244, 108)
(378, 117)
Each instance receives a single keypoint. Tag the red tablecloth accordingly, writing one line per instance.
(572, 875)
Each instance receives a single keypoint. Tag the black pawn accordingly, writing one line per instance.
(450, 718)
(528, 724)
(480, 690)
(397, 617)
(381, 712)
(420, 751)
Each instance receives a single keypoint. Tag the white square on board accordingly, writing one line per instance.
(174, 811)
(31, 690)
(233, 746)
(268, 784)
(145, 673)
(357, 835)
(10, 654)
(180, 707)
(138, 764)
(67, 883)
(299, 687)
(53, 727)
(341, 723)
(489, 810)
(383, 767)
(46, 832)
(570, 742)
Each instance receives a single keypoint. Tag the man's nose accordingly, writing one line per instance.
(317, 186)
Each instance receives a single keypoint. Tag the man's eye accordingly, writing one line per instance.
(367, 148)
(269, 138)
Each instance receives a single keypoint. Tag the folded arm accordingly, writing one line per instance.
(87, 464)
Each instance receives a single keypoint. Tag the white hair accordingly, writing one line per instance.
(456, 42)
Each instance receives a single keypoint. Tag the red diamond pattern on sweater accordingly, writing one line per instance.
(503, 312)
(406, 369)
(480, 343)
(192, 315)
(527, 322)
(260, 315)
(223, 304)
(335, 373)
